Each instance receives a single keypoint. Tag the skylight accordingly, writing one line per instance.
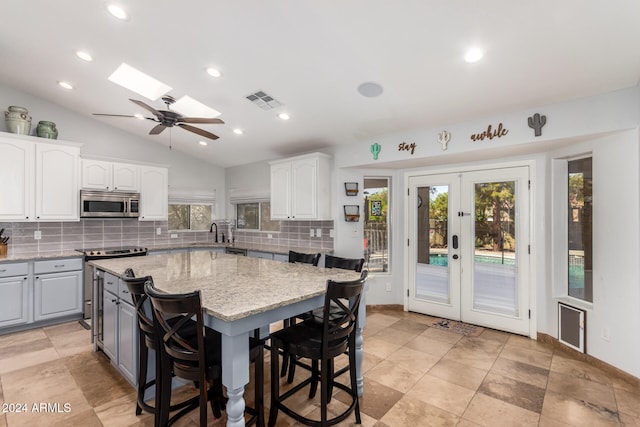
(192, 108)
(139, 82)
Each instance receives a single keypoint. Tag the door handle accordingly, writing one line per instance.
(455, 242)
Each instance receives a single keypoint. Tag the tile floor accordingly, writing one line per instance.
(415, 375)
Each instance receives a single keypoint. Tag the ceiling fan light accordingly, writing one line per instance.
(214, 72)
(117, 12)
(84, 55)
(137, 81)
(65, 85)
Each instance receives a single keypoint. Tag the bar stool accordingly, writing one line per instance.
(321, 344)
(148, 340)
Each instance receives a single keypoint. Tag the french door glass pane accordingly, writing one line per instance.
(494, 263)
(432, 272)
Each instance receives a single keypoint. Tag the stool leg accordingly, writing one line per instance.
(314, 378)
(142, 374)
(275, 383)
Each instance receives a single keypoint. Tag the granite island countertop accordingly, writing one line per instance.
(232, 286)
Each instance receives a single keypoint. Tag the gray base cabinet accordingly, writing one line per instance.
(14, 294)
(120, 328)
(38, 293)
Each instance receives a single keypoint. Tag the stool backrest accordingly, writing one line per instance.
(135, 285)
(304, 258)
(340, 314)
(354, 264)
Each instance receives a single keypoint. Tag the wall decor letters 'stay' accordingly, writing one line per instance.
(536, 122)
(443, 138)
(375, 150)
(490, 133)
(403, 146)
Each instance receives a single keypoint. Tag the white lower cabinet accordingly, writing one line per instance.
(14, 294)
(120, 329)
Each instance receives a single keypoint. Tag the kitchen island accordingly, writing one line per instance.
(239, 294)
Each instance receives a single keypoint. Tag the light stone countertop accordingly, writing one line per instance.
(232, 286)
(35, 256)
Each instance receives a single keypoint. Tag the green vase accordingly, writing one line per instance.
(47, 130)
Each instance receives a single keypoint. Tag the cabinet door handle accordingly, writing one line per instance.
(125, 292)
(113, 300)
(109, 283)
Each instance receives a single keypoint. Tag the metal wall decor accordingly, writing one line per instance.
(351, 188)
(536, 123)
(352, 213)
(405, 146)
(375, 150)
(443, 138)
(490, 133)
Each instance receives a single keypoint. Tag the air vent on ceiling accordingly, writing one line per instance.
(264, 101)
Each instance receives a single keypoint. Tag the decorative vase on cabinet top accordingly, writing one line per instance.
(47, 130)
(18, 120)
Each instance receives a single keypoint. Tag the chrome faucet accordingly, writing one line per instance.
(211, 230)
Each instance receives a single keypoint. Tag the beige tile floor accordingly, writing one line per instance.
(415, 375)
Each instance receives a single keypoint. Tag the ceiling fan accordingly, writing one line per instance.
(168, 118)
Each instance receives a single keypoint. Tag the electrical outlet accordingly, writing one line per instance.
(311, 234)
(269, 236)
(318, 232)
(606, 334)
(37, 234)
(332, 233)
(158, 231)
(174, 235)
(388, 287)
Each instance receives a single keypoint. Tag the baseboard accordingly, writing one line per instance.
(611, 370)
(385, 307)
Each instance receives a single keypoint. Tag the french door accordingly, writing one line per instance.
(469, 247)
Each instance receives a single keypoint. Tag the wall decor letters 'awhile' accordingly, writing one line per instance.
(403, 146)
(490, 133)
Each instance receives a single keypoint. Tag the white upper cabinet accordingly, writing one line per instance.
(41, 180)
(16, 176)
(109, 176)
(300, 188)
(154, 193)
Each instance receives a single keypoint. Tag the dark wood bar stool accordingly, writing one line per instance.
(321, 345)
(148, 341)
(197, 358)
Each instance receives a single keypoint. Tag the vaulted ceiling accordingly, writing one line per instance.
(311, 56)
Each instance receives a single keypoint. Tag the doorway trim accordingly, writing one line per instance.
(533, 283)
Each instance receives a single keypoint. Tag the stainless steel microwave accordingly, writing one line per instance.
(109, 204)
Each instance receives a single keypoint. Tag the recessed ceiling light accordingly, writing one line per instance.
(84, 55)
(65, 85)
(284, 116)
(137, 81)
(370, 89)
(117, 11)
(238, 131)
(214, 72)
(190, 107)
(203, 143)
(473, 55)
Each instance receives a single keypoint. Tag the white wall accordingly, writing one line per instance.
(100, 140)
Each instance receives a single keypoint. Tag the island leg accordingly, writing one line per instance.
(235, 375)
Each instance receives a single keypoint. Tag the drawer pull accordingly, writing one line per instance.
(2, 271)
(58, 266)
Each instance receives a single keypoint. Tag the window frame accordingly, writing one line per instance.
(260, 228)
(195, 203)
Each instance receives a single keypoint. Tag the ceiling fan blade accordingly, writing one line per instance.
(199, 131)
(146, 107)
(200, 120)
(157, 129)
(153, 119)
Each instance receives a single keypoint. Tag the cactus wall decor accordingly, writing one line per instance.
(536, 122)
(375, 150)
(443, 138)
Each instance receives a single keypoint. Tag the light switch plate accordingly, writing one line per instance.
(174, 235)
(332, 233)
(158, 231)
(318, 232)
(311, 234)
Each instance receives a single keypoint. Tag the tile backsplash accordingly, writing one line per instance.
(99, 233)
